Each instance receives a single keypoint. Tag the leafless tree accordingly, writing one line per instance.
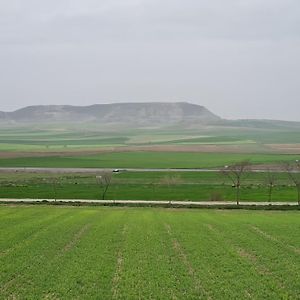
(236, 173)
(270, 178)
(293, 171)
(54, 185)
(104, 181)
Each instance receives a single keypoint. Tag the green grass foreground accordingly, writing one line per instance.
(125, 253)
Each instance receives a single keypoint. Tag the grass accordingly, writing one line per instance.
(146, 160)
(113, 253)
(188, 186)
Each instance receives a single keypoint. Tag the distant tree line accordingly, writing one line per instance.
(238, 172)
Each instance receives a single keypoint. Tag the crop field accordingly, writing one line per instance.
(188, 186)
(124, 253)
(142, 159)
(64, 137)
(86, 138)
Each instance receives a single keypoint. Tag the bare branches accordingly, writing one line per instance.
(270, 179)
(54, 182)
(293, 172)
(235, 173)
(104, 181)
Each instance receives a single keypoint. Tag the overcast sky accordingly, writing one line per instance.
(239, 58)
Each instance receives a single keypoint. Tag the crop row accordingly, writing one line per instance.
(113, 253)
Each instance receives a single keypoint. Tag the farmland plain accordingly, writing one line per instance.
(145, 159)
(60, 252)
(66, 138)
(92, 147)
(188, 186)
(117, 253)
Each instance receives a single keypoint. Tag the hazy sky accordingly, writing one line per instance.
(239, 58)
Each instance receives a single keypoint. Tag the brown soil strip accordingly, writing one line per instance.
(210, 227)
(274, 239)
(294, 249)
(76, 238)
(28, 240)
(119, 268)
(50, 296)
(264, 234)
(248, 295)
(262, 270)
(184, 259)
(243, 253)
(253, 260)
(9, 283)
(285, 148)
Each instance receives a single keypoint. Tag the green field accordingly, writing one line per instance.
(122, 253)
(188, 186)
(146, 160)
(68, 137)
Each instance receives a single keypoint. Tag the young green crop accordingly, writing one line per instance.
(123, 253)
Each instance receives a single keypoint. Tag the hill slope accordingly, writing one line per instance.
(141, 114)
(179, 115)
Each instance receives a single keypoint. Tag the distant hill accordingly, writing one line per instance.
(138, 115)
(129, 114)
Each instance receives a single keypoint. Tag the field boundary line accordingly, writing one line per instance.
(247, 255)
(30, 238)
(274, 239)
(119, 267)
(158, 203)
(184, 259)
(76, 238)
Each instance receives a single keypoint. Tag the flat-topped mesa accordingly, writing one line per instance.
(145, 114)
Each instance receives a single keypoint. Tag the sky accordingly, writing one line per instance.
(239, 58)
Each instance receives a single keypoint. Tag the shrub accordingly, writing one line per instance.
(216, 196)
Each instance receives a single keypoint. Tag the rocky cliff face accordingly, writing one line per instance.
(142, 114)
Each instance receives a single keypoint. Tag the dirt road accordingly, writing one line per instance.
(150, 202)
(97, 170)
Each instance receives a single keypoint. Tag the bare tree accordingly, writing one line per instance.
(236, 173)
(104, 181)
(270, 179)
(54, 185)
(293, 171)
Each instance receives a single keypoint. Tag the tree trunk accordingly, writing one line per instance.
(104, 192)
(270, 193)
(238, 194)
(55, 194)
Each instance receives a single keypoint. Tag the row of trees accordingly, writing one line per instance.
(237, 172)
